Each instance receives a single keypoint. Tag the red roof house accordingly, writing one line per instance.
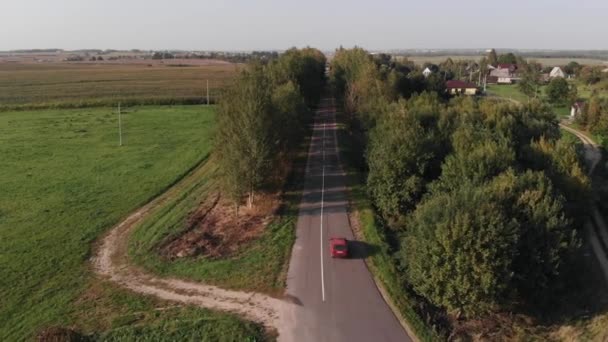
(456, 87)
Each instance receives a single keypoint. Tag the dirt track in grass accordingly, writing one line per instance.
(110, 260)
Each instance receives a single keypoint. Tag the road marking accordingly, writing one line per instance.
(322, 204)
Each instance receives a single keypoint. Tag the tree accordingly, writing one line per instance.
(562, 164)
(572, 68)
(473, 247)
(476, 159)
(399, 156)
(545, 236)
(483, 70)
(435, 83)
(600, 107)
(304, 67)
(593, 112)
(346, 67)
(246, 141)
(458, 250)
(291, 115)
(508, 58)
(530, 80)
(560, 92)
(590, 74)
(492, 58)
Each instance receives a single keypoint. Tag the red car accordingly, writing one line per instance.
(338, 247)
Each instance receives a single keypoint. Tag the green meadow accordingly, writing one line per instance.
(64, 181)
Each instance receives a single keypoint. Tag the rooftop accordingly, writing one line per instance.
(457, 84)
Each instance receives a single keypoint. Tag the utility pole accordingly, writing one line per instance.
(485, 84)
(119, 126)
(207, 92)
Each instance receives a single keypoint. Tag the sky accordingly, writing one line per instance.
(325, 24)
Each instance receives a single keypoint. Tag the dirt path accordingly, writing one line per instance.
(596, 229)
(593, 155)
(110, 260)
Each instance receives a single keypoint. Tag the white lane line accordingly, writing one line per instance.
(322, 204)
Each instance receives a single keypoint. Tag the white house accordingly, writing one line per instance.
(577, 109)
(427, 72)
(501, 76)
(557, 72)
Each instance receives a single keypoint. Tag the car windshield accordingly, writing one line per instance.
(340, 247)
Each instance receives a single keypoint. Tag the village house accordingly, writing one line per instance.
(503, 74)
(557, 72)
(457, 87)
(427, 72)
(577, 109)
(511, 67)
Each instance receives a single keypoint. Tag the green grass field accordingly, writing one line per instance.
(65, 181)
(510, 91)
(81, 85)
(184, 325)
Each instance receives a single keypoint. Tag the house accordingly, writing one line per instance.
(427, 72)
(501, 76)
(504, 73)
(456, 87)
(511, 67)
(557, 72)
(577, 109)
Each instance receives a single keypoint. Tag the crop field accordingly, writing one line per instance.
(49, 85)
(64, 182)
(420, 60)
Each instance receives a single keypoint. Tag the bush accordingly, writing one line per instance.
(458, 251)
(560, 92)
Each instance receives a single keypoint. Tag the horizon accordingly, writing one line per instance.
(236, 50)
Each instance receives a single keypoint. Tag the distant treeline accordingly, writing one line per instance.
(233, 57)
(595, 54)
(35, 51)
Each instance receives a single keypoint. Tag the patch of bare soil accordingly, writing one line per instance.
(495, 327)
(216, 231)
(58, 334)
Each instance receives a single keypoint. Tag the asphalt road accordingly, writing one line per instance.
(334, 299)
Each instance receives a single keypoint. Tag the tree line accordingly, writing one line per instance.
(481, 199)
(262, 119)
